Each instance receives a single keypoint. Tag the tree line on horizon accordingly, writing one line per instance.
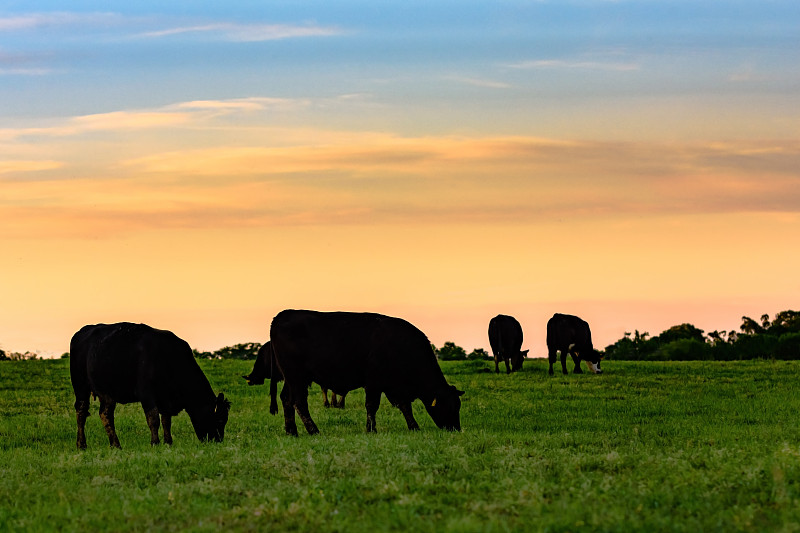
(765, 339)
(778, 338)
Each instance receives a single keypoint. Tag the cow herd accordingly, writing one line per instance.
(340, 351)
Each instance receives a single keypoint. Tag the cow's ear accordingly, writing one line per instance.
(460, 392)
(524, 352)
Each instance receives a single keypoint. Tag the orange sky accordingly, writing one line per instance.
(637, 184)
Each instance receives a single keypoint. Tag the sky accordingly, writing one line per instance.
(200, 166)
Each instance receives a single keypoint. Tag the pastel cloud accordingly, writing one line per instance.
(248, 32)
(8, 167)
(260, 175)
(33, 21)
(562, 64)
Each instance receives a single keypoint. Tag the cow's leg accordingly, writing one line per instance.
(151, 415)
(496, 364)
(289, 423)
(273, 391)
(107, 406)
(552, 357)
(166, 423)
(507, 361)
(577, 360)
(325, 402)
(340, 402)
(405, 408)
(564, 361)
(301, 405)
(81, 412)
(373, 402)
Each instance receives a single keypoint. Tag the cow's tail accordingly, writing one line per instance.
(273, 382)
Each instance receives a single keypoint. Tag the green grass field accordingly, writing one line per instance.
(644, 447)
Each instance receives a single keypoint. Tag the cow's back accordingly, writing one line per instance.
(505, 334)
(327, 348)
(341, 350)
(127, 361)
(566, 330)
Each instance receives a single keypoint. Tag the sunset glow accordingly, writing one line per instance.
(634, 163)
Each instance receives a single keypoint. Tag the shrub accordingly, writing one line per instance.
(788, 346)
(451, 352)
(756, 346)
(478, 354)
(684, 350)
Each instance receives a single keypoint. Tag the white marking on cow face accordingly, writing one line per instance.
(595, 368)
(571, 347)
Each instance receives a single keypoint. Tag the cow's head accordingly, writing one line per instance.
(517, 359)
(445, 408)
(261, 368)
(593, 358)
(210, 425)
(253, 378)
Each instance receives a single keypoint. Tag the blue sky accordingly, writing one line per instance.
(500, 57)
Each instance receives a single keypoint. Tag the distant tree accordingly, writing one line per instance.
(750, 326)
(478, 354)
(17, 356)
(717, 337)
(682, 331)
(788, 346)
(248, 350)
(244, 351)
(684, 350)
(65, 355)
(785, 322)
(765, 321)
(631, 347)
(451, 352)
(3, 356)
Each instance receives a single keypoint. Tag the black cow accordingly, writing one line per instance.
(570, 334)
(347, 351)
(125, 363)
(505, 337)
(262, 370)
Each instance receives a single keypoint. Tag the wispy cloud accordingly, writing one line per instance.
(7, 167)
(248, 32)
(21, 71)
(561, 64)
(243, 104)
(32, 21)
(479, 82)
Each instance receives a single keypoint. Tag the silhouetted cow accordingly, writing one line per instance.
(125, 363)
(262, 370)
(347, 351)
(570, 334)
(505, 337)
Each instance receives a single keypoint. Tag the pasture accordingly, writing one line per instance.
(694, 446)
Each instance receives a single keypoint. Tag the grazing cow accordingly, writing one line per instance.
(125, 363)
(347, 351)
(262, 370)
(505, 337)
(570, 334)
